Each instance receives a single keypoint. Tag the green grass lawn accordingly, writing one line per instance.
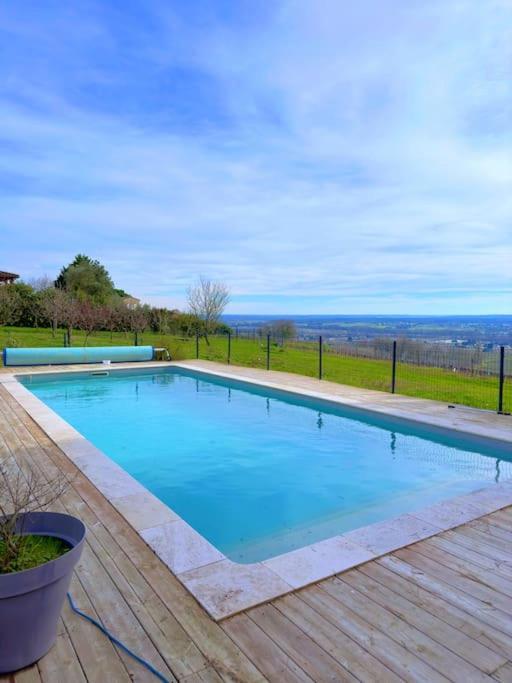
(412, 380)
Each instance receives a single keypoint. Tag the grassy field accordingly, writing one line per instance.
(412, 380)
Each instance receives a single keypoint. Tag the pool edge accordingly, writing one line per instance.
(223, 587)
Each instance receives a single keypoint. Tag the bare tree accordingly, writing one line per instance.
(41, 284)
(114, 316)
(55, 307)
(22, 489)
(139, 320)
(88, 318)
(207, 301)
(71, 315)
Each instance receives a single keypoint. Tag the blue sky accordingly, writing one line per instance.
(319, 156)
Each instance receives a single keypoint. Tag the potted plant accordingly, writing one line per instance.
(38, 551)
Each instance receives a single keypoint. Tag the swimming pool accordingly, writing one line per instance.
(260, 472)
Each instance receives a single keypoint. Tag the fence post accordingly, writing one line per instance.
(502, 380)
(393, 368)
(320, 358)
(197, 345)
(229, 348)
(268, 352)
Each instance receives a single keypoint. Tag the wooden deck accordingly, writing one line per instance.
(439, 610)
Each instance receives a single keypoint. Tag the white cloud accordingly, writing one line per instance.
(361, 159)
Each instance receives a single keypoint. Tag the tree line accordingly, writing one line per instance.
(84, 297)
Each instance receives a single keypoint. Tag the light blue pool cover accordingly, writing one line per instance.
(78, 354)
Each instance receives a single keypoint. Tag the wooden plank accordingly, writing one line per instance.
(98, 657)
(274, 664)
(491, 638)
(487, 527)
(431, 652)
(505, 513)
(469, 650)
(315, 661)
(468, 569)
(60, 664)
(116, 615)
(214, 643)
(176, 647)
(484, 549)
(504, 674)
(217, 650)
(208, 675)
(334, 641)
(502, 517)
(456, 579)
(450, 593)
(472, 555)
(30, 675)
(396, 657)
(486, 539)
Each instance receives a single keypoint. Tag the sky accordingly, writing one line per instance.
(317, 156)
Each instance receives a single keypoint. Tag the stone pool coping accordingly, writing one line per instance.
(224, 587)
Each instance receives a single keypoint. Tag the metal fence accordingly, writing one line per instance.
(460, 375)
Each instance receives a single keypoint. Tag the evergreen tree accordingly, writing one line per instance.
(87, 280)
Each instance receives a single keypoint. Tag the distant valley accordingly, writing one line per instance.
(479, 330)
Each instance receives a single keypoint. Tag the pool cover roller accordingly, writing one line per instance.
(78, 354)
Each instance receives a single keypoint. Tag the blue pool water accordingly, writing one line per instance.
(259, 472)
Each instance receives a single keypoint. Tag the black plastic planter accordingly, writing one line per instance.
(31, 601)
